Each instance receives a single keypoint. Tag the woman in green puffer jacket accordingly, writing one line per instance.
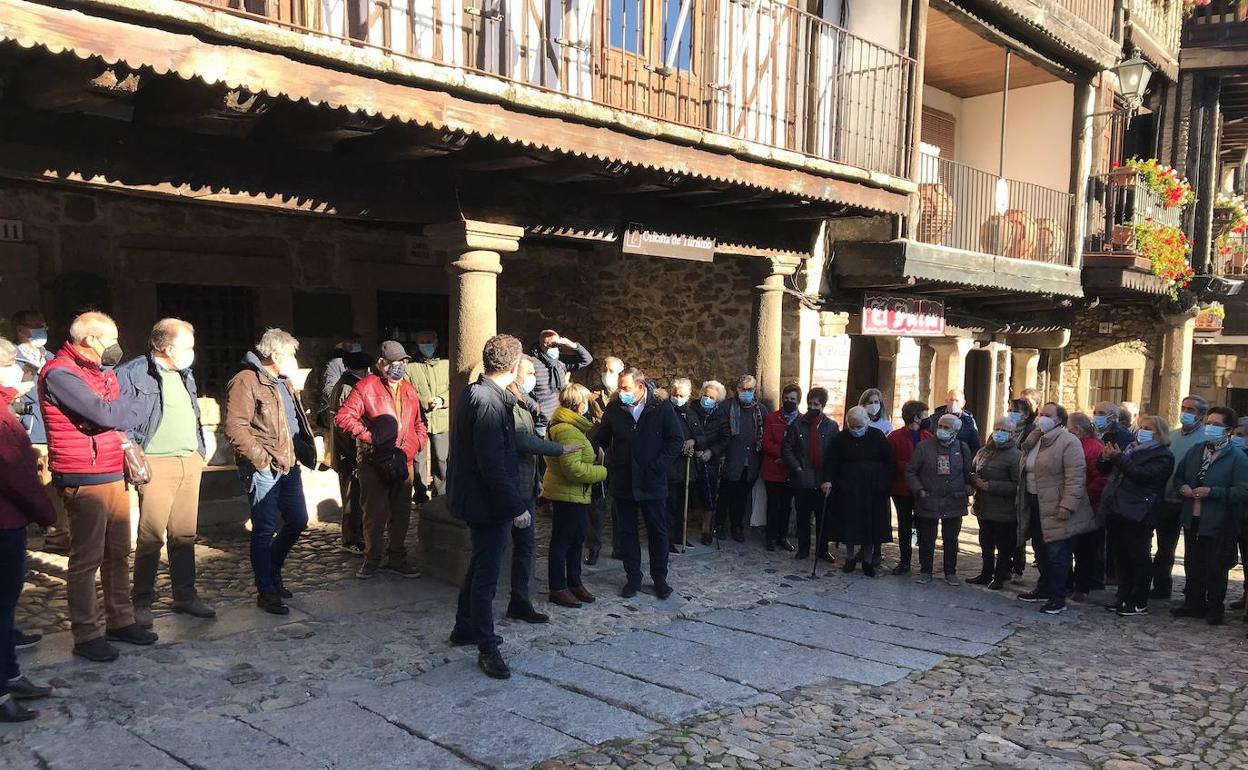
(568, 484)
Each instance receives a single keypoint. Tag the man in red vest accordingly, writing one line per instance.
(83, 412)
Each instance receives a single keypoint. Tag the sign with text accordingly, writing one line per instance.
(673, 245)
(894, 316)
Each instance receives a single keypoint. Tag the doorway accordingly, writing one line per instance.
(864, 368)
(977, 383)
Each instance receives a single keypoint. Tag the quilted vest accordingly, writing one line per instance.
(75, 447)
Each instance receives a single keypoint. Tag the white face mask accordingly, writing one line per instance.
(1045, 423)
(873, 409)
(10, 376)
(182, 359)
(610, 380)
(288, 367)
(527, 384)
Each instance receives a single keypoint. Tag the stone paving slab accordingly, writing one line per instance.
(656, 702)
(222, 744)
(989, 632)
(381, 592)
(343, 735)
(675, 674)
(937, 600)
(827, 639)
(468, 727)
(102, 746)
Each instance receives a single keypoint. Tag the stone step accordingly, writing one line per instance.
(988, 630)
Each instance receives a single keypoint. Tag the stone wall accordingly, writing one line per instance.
(1133, 340)
(1218, 368)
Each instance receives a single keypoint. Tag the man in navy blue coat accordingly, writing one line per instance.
(643, 436)
(482, 490)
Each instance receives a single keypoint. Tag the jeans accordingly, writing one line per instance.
(1052, 558)
(810, 504)
(437, 450)
(1206, 562)
(273, 496)
(474, 615)
(168, 507)
(1131, 543)
(734, 500)
(523, 548)
(779, 507)
(905, 527)
(1169, 527)
(996, 544)
(12, 578)
(950, 529)
(1090, 562)
(653, 511)
(387, 515)
(567, 532)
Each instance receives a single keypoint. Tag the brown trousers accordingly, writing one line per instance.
(169, 503)
(99, 540)
(387, 511)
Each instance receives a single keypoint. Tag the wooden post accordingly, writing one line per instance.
(1080, 169)
(918, 44)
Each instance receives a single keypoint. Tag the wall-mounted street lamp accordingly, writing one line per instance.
(1133, 76)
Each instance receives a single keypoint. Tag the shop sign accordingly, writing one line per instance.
(673, 245)
(890, 315)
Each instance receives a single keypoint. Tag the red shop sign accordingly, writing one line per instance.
(902, 316)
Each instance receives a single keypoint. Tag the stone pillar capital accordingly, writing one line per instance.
(474, 235)
(833, 324)
(784, 265)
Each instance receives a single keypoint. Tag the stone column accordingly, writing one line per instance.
(1176, 366)
(830, 362)
(770, 328)
(949, 370)
(475, 264)
(1026, 370)
(886, 381)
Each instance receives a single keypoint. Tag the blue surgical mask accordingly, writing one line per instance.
(39, 337)
(679, 400)
(747, 397)
(1101, 421)
(552, 353)
(527, 384)
(394, 372)
(858, 432)
(1238, 441)
(427, 349)
(1144, 436)
(945, 435)
(708, 403)
(1214, 433)
(1017, 417)
(627, 398)
(1188, 419)
(1001, 437)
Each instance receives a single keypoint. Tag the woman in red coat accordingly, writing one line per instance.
(903, 441)
(775, 473)
(22, 502)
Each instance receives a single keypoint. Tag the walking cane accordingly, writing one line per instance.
(684, 537)
(819, 530)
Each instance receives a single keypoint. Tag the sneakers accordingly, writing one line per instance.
(953, 580)
(98, 650)
(1116, 606)
(143, 615)
(524, 611)
(924, 578)
(25, 641)
(131, 634)
(367, 571)
(492, 663)
(355, 549)
(461, 640)
(272, 604)
(771, 546)
(1054, 607)
(1216, 617)
(565, 598)
(196, 608)
(12, 712)
(662, 590)
(22, 688)
(996, 585)
(1033, 596)
(849, 565)
(402, 569)
(1130, 611)
(582, 593)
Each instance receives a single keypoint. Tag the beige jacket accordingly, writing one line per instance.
(1061, 484)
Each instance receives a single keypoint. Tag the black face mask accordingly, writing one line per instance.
(789, 407)
(812, 412)
(111, 355)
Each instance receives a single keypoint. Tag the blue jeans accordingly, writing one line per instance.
(273, 497)
(567, 532)
(475, 614)
(12, 578)
(1052, 558)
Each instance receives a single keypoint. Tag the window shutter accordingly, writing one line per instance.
(939, 130)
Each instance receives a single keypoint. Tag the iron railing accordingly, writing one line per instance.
(1162, 19)
(757, 70)
(1098, 13)
(1118, 201)
(1231, 260)
(959, 205)
(1222, 21)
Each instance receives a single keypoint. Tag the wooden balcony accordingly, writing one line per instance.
(1155, 29)
(1220, 25)
(1112, 265)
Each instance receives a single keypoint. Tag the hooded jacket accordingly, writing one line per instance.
(571, 478)
(256, 425)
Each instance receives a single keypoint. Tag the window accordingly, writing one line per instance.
(625, 21)
(400, 316)
(1108, 385)
(939, 129)
(321, 314)
(225, 329)
(683, 59)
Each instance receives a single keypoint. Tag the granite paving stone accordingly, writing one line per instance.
(103, 746)
(215, 743)
(988, 631)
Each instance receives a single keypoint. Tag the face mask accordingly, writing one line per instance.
(584, 410)
(1017, 417)
(182, 359)
(427, 349)
(1187, 419)
(747, 397)
(552, 354)
(394, 372)
(610, 380)
(1045, 423)
(39, 337)
(288, 367)
(945, 435)
(355, 347)
(1238, 441)
(811, 412)
(527, 384)
(873, 409)
(627, 398)
(1100, 421)
(1001, 437)
(708, 403)
(1214, 433)
(679, 401)
(954, 409)
(1144, 436)
(10, 376)
(858, 432)
(789, 407)
(111, 355)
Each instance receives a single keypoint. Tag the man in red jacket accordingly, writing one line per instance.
(383, 415)
(83, 411)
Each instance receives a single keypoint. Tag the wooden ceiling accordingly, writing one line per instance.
(960, 62)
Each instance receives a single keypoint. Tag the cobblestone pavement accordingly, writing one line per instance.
(751, 664)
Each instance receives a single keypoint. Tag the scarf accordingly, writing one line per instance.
(816, 448)
(554, 373)
(788, 417)
(1137, 446)
(734, 418)
(1212, 453)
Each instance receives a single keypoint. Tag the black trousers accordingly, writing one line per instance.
(475, 614)
(1169, 527)
(352, 509)
(810, 512)
(905, 527)
(950, 529)
(1131, 543)
(1020, 558)
(12, 580)
(437, 450)
(1090, 565)
(734, 501)
(1206, 562)
(523, 550)
(779, 509)
(567, 532)
(676, 509)
(628, 515)
(602, 510)
(996, 544)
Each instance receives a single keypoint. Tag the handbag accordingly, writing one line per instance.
(391, 464)
(138, 469)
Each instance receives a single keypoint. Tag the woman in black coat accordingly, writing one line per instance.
(859, 467)
(1135, 490)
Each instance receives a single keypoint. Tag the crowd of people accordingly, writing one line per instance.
(1088, 492)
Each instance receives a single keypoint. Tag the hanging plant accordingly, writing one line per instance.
(1167, 249)
(1232, 212)
(1171, 189)
(1214, 309)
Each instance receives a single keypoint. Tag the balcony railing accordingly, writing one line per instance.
(958, 209)
(1098, 13)
(1118, 201)
(1231, 258)
(760, 71)
(1222, 22)
(1162, 19)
